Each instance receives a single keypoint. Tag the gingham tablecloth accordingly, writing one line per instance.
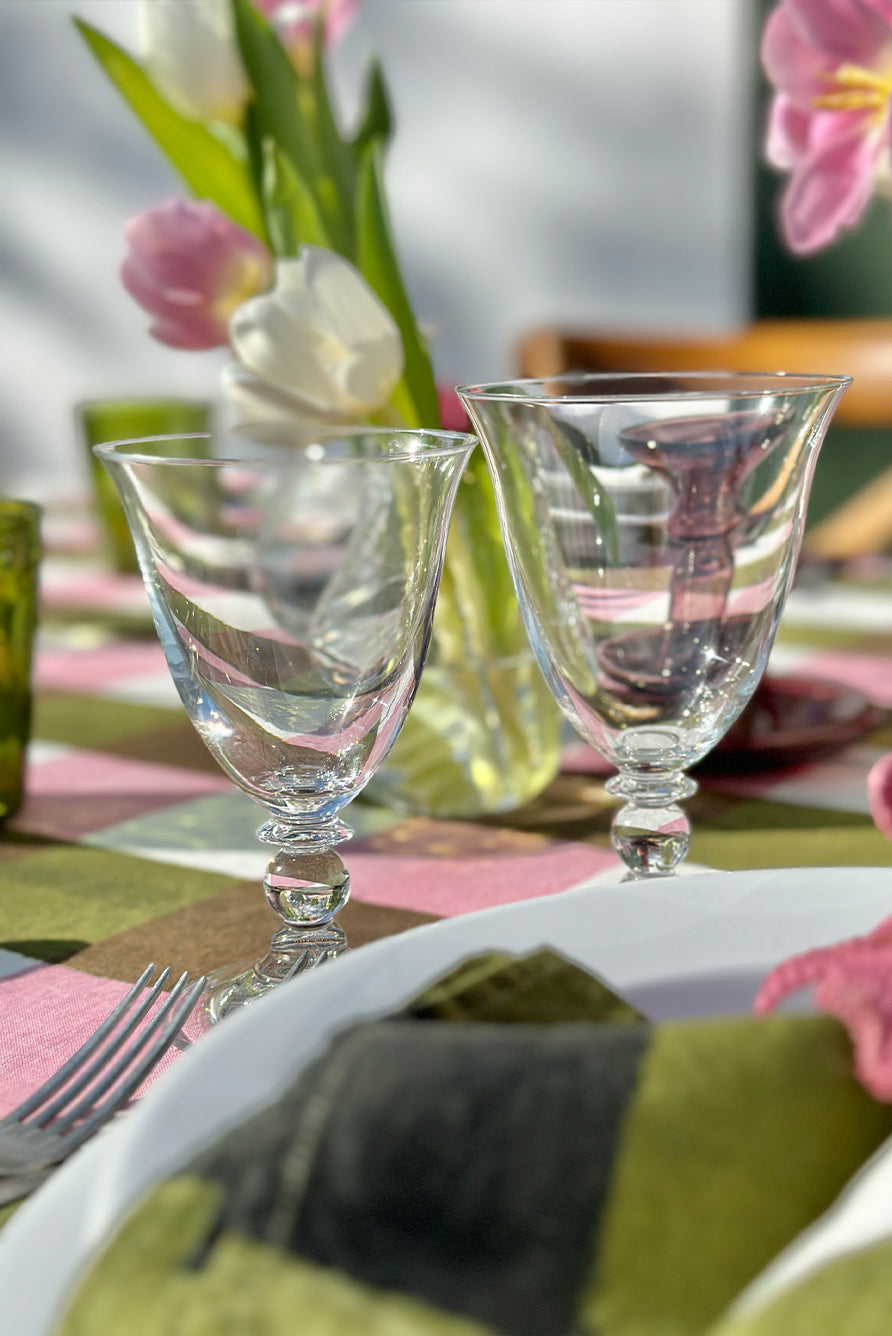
(133, 847)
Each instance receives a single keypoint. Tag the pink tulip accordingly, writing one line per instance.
(830, 62)
(294, 20)
(190, 266)
(879, 794)
(452, 411)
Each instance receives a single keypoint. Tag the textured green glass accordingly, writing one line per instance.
(483, 737)
(101, 420)
(19, 565)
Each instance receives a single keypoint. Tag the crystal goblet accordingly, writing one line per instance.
(652, 524)
(293, 584)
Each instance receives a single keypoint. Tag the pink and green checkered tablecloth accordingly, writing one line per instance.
(132, 847)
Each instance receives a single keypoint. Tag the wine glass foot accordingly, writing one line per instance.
(292, 951)
(650, 832)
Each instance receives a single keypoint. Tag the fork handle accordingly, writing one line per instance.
(16, 1186)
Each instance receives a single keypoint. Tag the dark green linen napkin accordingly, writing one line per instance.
(516, 1152)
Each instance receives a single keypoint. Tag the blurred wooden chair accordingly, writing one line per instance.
(850, 512)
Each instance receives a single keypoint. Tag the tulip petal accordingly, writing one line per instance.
(453, 413)
(192, 57)
(196, 334)
(879, 794)
(321, 282)
(846, 31)
(792, 64)
(787, 133)
(321, 335)
(190, 265)
(253, 400)
(277, 348)
(294, 20)
(832, 186)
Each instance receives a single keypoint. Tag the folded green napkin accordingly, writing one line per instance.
(516, 1152)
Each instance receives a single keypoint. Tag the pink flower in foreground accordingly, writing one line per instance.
(830, 62)
(853, 982)
(190, 266)
(294, 20)
(452, 411)
(879, 794)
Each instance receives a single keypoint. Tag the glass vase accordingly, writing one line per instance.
(484, 735)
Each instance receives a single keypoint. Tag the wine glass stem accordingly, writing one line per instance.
(651, 833)
(296, 947)
(306, 886)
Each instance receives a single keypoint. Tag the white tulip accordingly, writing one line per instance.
(319, 347)
(192, 57)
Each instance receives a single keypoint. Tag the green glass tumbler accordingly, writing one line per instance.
(19, 569)
(101, 420)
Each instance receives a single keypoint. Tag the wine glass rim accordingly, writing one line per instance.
(632, 386)
(414, 443)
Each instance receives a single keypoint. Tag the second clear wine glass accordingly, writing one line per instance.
(652, 524)
(293, 586)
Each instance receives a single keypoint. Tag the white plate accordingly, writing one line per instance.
(681, 946)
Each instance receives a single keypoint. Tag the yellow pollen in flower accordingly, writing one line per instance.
(853, 88)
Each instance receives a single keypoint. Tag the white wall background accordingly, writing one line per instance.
(584, 161)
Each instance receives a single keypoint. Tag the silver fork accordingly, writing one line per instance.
(96, 1081)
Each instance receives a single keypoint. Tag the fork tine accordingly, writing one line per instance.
(49, 1087)
(176, 1011)
(109, 1073)
(91, 1069)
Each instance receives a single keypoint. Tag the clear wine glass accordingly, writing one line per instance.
(293, 585)
(652, 524)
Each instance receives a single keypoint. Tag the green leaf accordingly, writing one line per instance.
(342, 157)
(533, 538)
(377, 121)
(208, 167)
(254, 144)
(283, 110)
(275, 84)
(292, 216)
(416, 397)
(475, 554)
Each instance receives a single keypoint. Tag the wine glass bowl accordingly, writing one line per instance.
(652, 524)
(292, 584)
